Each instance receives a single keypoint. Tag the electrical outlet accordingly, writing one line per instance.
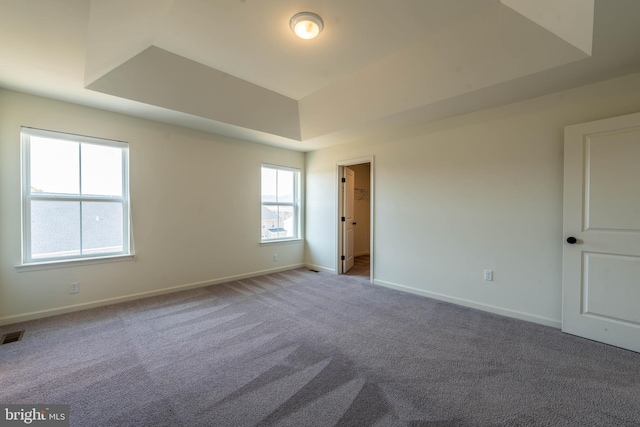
(488, 275)
(275, 257)
(74, 288)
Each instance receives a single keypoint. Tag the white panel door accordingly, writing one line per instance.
(348, 219)
(601, 256)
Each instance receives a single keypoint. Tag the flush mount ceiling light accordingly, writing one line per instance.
(306, 25)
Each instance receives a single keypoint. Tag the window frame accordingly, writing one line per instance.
(28, 197)
(297, 200)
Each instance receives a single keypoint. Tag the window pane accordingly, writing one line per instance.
(269, 185)
(101, 170)
(54, 166)
(287, 222)
(102, 228)
(55, 229)
(278, 222)
(269, 221)
(285, 186)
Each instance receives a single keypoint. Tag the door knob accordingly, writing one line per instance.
(354, 223)
(571, 240)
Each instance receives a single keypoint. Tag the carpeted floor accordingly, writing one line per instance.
(360, 267)
(314, 349)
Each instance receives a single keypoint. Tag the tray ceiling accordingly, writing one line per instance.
(236, 68)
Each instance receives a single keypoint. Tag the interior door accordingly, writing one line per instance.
(348, 218)
(601, 256)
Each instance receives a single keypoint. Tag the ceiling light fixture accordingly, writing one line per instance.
(306, 25)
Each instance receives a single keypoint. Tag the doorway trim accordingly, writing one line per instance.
(338, 182)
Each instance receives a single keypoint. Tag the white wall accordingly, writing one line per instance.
(479, 191)
(195, 201)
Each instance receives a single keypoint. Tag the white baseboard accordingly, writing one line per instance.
(109, 301)
(320, 268)
(472, 304)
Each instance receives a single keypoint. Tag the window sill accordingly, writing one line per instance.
(272, 242)
(48, 265)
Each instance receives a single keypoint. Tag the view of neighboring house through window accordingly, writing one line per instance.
(75, 193)
(280, 203)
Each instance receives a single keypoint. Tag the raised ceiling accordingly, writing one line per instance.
(234, 67)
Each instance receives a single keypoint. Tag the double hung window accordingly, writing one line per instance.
(75, 195)
(280, 203)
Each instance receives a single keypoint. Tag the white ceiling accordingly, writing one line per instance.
(234, 67)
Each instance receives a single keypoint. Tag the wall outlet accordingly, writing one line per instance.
(74, 288)
(488, 275)
(275, 257)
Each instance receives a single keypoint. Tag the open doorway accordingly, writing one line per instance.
(355, 218)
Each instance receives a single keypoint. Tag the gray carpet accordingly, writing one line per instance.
(313, 349)
(360, 267)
